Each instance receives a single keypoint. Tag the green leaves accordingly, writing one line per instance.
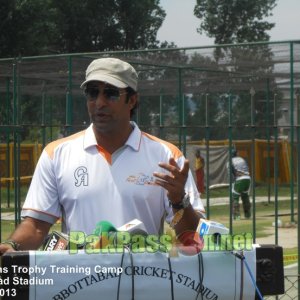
(234, 21)
(36, 27)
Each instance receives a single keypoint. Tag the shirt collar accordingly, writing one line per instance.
(133, 141)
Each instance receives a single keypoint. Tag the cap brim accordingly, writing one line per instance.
(105, 78)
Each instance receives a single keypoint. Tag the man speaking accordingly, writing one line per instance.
(111, 171)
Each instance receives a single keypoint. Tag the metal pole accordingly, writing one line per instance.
(275, 166)
(69, 98)
(268, 142)
(230, 159)
(161, 116)
(298, 175)
(180, 108)
(16, 152)
(183, 99)
(8, 121)
(43, 117)
(207, 135)
(252, 93)
(292, 129)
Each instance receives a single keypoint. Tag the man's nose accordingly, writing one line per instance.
(101, 99)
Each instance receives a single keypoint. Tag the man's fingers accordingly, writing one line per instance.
(165, 177)
(186, 167)
(173, 167)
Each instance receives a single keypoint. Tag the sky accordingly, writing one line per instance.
(180, 24)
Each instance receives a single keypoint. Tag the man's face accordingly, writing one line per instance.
(107, 106)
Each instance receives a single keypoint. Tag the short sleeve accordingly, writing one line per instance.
(42, 198)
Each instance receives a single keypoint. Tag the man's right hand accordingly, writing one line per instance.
(5, 247)
(29, 235)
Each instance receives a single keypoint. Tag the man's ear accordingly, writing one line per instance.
(133, 99)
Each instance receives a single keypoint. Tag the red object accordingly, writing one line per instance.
(190, 243)
(200, 180)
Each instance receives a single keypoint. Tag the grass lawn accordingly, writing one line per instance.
(219, 213)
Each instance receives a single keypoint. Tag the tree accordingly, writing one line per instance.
(25, 28)
(94, 25)
(37, 27)
(248, 66)
(235, 21)
(138, 23)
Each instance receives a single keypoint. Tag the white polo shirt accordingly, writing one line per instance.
(77, 180)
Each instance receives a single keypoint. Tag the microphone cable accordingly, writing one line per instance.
(242, 281)
(235, 279)
(201, 274)
(171, 277)
(241, 256)
(132, 273)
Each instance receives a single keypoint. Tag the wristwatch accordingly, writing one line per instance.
(12, 243)
(184, 203)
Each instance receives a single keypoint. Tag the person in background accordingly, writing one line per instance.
(111, 171)
(241, 185)
(199, 171)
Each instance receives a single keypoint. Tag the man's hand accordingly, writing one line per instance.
(29, 235)
(174, 182)
(6, 248)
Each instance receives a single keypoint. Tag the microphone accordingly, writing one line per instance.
(111, 237)
(106, 233)
(208, 236)
(56, 241)
(212, 232)
(132, 225)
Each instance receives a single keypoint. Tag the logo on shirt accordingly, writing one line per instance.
(81, 176)
(141, 179)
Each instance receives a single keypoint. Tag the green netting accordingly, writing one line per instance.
(175, 85)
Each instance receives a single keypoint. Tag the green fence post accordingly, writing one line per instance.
(183, 124)
(207, 137)
(230, 159)
(292, 129)
(180, 108)
(161, 115)
(69, 98)
(43, 117)
(275, 165)
(16, 152)
(298, 177)
(8, 121)
(268, 142)
(252, 94)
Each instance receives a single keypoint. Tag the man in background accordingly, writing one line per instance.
(199, 171)
(241, 184)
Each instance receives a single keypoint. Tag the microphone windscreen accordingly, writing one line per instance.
(103, 230)
(104, 226)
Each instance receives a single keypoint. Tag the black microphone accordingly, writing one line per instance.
(56, 241)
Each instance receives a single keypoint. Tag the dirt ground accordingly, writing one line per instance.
(287, 237)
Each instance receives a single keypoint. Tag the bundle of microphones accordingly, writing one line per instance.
(104, 234)
(133, 234)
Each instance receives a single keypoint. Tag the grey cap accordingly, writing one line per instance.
(113, 71)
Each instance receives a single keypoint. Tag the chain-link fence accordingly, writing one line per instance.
(190, 96)
(291, 289)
